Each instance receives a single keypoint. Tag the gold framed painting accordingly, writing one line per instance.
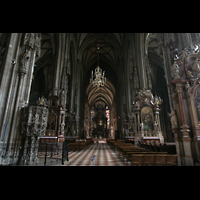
(147, 118)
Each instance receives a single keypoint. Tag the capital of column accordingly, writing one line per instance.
(179, 87)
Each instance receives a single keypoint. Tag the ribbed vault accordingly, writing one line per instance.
(105, 45)
(105, 93)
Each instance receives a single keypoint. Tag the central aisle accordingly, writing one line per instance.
(105, 156)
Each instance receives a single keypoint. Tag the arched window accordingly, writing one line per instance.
(108, 117)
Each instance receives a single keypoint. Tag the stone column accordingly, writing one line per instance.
(184, 128)
(195, 127)
(31, 47)
(157, 119)
(32, 42)
(179, 145)
(176, 129)
(8, 84)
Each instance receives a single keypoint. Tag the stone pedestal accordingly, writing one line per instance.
(187, 146)
(179, 145)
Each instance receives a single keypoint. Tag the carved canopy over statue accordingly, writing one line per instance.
(33, 41)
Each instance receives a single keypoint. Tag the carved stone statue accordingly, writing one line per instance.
(173, 118)
(189, 74)
(196, 68)
(145, 95)
(33, 41)
(24, 61)
(175, 70)
(62, 127)
(42, 101)
(155, 126)
(142, 126)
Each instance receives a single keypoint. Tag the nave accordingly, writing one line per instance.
(105, 156)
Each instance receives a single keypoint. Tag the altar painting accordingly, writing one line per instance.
(51, 125)
(147, 118)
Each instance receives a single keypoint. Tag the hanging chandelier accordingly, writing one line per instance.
(99, 77)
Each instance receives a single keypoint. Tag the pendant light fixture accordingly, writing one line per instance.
(98, 78)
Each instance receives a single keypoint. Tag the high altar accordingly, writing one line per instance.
(147, 120)
(100, 122)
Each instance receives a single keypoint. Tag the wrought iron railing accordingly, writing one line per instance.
(46, 154)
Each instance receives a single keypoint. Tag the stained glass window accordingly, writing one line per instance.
(108, 117)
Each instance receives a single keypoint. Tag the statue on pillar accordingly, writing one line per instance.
(175, 70)
(24, 61)
(173, 118)
(155, 127)
(142, 126)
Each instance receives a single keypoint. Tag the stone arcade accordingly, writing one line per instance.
(151, 91)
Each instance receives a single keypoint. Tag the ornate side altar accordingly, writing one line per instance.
(56, 120)
(147, 120)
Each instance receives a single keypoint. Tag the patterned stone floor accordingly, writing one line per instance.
(105, 156)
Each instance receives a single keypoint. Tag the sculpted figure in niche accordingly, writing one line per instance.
(175, 70)
(173, 118)
(24, 59)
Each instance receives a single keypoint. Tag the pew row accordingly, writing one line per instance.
(154, 160)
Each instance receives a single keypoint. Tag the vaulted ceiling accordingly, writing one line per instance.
(93, 47)
(105, 46)
(47, 51)
(104, 49)
(105, 93)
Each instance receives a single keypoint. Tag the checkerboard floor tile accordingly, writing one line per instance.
(105, 156)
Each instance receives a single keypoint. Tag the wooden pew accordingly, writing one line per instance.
(79, 145)
(171, 160)
(137, 159)
(148, 159)
(123, 149)
(126, 150)
(160, 160)
(129, 154)
(154, 159)
(116, 144)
